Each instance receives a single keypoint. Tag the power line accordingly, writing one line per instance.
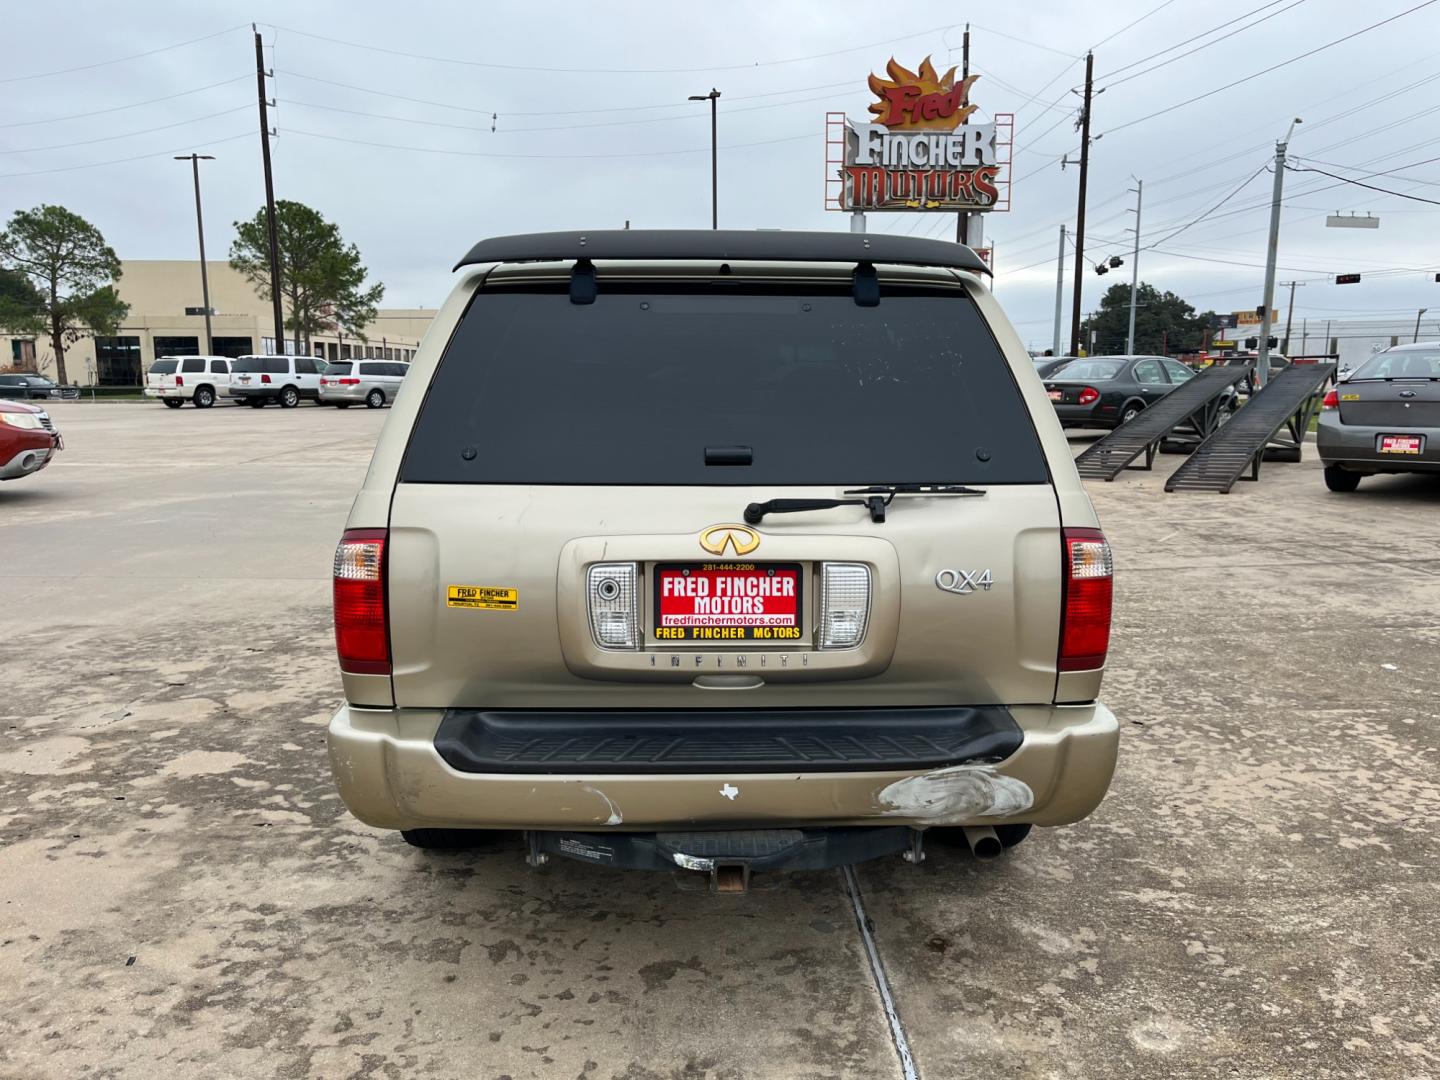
(123, 59)
(120, 108)
(1372, 187)
(289, 73)
(1020, 40)
(187, 148)
(1215, 41)
(521, 157)
(1273, 67)
(1243, 184)
(123, 135)
(1163, 4)
(626, 71)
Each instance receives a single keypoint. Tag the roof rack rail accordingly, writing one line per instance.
(706, 245)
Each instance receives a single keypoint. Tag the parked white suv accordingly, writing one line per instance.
(349, 382)
(178, 379)
(259, 380)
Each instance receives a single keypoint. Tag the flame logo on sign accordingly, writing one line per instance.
(718, 538)
(921, 100)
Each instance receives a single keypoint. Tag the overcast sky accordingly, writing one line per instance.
(592, 128)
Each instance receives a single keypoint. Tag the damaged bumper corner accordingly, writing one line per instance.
(390, 775)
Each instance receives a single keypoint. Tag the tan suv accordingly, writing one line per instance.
(726, 551)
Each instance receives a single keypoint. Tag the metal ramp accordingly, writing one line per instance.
(1198, 401)
(1275, 421)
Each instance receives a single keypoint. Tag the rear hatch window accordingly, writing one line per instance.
(338, 367)
(634, 388)
(253, 365)
(163, 367)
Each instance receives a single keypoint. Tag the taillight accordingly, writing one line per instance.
(614, 609)
(347, 382)
(179, 381)
(1332, 400)
(264, 378)
(1088, 585)
(362, 635)
(844, 605)
(1089, 395)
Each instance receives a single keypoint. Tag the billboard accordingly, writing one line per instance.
(918, 151)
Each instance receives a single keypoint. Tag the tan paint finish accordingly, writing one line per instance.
(924, 646)
(390, 776)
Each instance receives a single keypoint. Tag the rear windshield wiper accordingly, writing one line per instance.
(876, 498)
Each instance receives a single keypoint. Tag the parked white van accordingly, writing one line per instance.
(259, 380)
(178, 379)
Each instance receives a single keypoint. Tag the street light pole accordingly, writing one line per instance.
(195, 160)
(713, 97)
(1417, 325)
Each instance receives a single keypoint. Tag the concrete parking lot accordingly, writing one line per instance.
(182, 894)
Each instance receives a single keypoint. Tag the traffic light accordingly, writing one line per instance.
(1252, 343)
(1354, 279)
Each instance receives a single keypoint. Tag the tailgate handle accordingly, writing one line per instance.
(729, 455)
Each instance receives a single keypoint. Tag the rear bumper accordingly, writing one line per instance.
(390, 775)
(1086, 416)
(1355, 447)
(166, 392)
(353, 394)
(251, 392)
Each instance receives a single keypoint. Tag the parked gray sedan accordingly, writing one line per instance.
(349, 382)
(1384, 419)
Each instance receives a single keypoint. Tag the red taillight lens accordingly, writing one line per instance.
(362, 632)
(1332, 400)
(264, 378)
(348, 382)
(1088, 586)
(179, 381)
(1089, 395)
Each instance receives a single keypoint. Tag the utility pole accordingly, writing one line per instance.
(1080, 212)
(1417, 324)
(1059, 292)
(1262, 362)
(195, 160)
(1289, 315)
(713, 97)
(1134, 270)
(962, 219)
(269, 195)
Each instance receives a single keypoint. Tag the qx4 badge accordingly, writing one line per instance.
(963, 582)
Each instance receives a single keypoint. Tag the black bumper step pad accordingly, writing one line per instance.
(726, 740)
(1291, 398)
(1197, 400)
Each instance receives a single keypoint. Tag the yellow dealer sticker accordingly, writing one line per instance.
(483, 597)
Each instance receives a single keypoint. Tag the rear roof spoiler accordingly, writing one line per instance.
(709, 245)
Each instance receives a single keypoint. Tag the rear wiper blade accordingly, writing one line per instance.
(876, 498)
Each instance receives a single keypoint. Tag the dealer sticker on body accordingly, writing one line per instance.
(483, 597)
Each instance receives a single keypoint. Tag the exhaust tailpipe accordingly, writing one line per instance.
(984, 842)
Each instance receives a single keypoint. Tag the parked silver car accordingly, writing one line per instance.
(349, 382)
(1385, 418)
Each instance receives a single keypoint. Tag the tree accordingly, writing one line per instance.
(1164, 323)
(70, 273)
(322, 280)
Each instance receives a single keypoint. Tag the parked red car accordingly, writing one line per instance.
(28, 439)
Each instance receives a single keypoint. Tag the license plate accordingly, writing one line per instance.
(1057, 395)
(728, 602)
(1401, 444)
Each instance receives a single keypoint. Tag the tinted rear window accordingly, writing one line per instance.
(254, 365)
(163, 367)
(633, 388)
(338, 367)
